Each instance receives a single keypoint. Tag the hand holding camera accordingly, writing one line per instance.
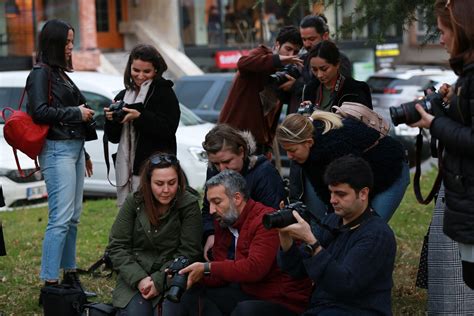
(122, 112)
(292, 222)
(86, 112)
(178, 283)
(420, 113)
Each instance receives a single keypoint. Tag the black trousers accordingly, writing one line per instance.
(227, 301)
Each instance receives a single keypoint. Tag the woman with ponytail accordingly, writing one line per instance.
(313, 142)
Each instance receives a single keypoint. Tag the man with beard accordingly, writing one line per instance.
(243, 278)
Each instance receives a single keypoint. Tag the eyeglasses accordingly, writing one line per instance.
(163, 158)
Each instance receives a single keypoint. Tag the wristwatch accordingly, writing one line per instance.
(207, 268)
(311, 248)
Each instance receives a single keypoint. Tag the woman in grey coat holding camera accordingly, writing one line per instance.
(150, 122)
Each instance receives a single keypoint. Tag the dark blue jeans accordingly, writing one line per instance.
(228, 301)
(140, 306)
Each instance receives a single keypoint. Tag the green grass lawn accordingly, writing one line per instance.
(24, 228)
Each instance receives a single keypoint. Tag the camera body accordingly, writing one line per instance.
(118, 113)
(406, 113)
(307, 109)
(284, 217)
(178, 281)
(279, 77)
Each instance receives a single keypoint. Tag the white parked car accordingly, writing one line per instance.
(99, 90)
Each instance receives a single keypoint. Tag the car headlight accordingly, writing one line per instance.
(198, 153)
(15, 176)
(405, 130)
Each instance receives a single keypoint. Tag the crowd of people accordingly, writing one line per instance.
(251, 247)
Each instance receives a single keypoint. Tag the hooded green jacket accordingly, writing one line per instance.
(137, 249)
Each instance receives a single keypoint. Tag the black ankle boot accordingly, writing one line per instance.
(72, 278)
(51, 283)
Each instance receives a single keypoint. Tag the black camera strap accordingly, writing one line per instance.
(105, 141)
(416, 178)
(334, 93)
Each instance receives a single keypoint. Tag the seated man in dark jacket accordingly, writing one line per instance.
(229, 148)
(350, 258)
(243, 278)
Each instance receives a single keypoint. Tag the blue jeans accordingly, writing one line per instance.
(63, 166)
(385, 203)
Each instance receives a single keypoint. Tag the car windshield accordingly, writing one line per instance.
(188, 118)
(10, 97)
(378, 84)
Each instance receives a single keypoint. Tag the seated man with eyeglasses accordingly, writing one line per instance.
(350, 257)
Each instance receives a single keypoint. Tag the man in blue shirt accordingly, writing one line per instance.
(350, 257)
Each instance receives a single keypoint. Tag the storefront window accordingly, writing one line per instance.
(16, 28)
(219, 23)
(21, 21)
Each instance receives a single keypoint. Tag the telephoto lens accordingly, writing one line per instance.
(406, 113)
(284, 217)
(178, 281)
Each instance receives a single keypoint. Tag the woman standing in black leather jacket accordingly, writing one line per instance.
(454, 128)
(151, 117)
(55, 100)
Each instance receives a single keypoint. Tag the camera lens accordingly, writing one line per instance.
(278, 219)
(277, 78)
(397, 114)
(407, 113)
(177, 287)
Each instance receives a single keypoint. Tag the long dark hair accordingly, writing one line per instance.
(158, 161)
(326, 50)
(147, 53)
(52, 42)
(462, 12)
(225, 137)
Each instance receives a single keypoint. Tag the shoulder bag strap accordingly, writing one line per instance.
(416, 178)
(50, 100)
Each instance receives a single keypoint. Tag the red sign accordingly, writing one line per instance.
(228, 59)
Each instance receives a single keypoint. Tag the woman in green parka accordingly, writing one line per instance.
(156, 224)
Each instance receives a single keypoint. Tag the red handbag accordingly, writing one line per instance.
(23, 134)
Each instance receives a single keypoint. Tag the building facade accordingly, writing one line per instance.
(193, 35)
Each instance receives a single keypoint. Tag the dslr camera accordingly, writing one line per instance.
(178, 281)
(406, 113)
(284, 217)
(307, 109)
(118, 113)
(279, 78)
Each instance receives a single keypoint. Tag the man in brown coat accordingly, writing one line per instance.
(252, 103)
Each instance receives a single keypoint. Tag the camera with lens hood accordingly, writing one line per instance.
(178, 281)
(284, 217)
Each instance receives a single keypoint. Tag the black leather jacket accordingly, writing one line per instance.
(456, 132)
(62, 113)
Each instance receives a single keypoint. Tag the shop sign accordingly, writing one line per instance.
(228, 59)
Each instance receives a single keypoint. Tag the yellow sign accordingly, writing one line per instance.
(387, 53)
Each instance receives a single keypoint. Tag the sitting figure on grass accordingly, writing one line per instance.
(155, 225)
(350, 257)
(243, 278)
